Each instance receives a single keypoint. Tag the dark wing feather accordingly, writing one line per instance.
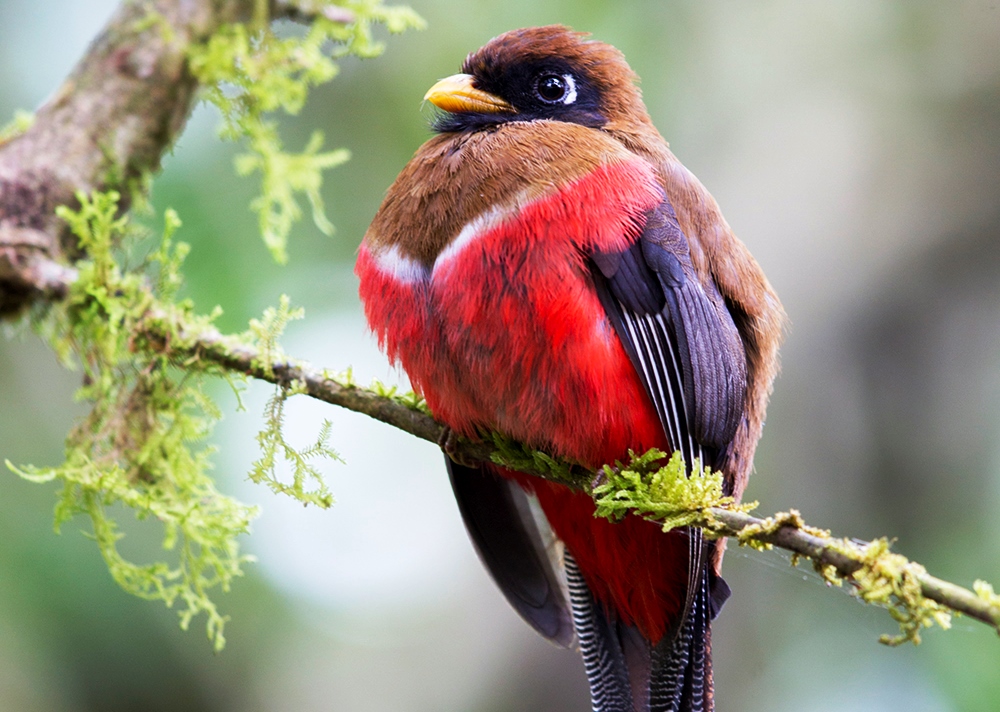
(679, 335)
(498, 518)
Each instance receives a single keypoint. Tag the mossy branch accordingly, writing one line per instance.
(128, 98)
(915, 598)
(68, 176)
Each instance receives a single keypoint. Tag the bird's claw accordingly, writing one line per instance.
(599, 479)
(450, 442)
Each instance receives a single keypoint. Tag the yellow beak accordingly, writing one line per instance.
(455, 94)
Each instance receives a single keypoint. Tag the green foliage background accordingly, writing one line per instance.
(852, 146)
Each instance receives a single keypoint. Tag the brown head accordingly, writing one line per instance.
(533, 109)
(544, 73)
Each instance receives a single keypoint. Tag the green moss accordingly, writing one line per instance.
(516, 456)
(249, 73)
(890, 580)
(275, 448)
(881, 577)
(750, 535)
(142, 443)
(263, 336)
(657, 487)
(408, 399)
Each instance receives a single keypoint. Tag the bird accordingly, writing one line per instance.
(544, 267)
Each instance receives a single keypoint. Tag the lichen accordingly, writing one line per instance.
(892, 581)
(275, 448)
(249, 73)
(142, 443)
(751, 535)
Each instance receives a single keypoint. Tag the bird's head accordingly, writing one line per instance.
(534, 111)
(541, 73)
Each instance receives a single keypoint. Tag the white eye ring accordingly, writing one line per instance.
(564, 84)
(570, 89)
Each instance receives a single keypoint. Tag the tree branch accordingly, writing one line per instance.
(109, 123)
(915, 597)
(835, 558)
(849, 556)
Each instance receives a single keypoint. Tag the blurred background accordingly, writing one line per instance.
(854, 146)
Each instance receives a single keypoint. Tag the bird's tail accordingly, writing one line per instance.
(628, 674)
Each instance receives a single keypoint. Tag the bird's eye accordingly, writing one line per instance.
(555, 88)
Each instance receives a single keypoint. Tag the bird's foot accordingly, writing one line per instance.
(600, 478)
(450, 442)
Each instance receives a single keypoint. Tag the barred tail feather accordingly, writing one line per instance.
(626, 673)
(603, 657)
(682, 667)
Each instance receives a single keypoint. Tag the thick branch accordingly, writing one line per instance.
(846, 557)
(108, 125)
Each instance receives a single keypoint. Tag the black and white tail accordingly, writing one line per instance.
(626, 673)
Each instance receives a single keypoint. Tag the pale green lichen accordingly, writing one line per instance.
(880, 576)
(892, 581)
(141, 444)
(275, 448)
(751, 535)
(263, 337)
(265, 332)
(250, 73)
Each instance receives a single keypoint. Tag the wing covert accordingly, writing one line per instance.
(679, 335)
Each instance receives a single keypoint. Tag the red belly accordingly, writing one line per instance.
(508, 334)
